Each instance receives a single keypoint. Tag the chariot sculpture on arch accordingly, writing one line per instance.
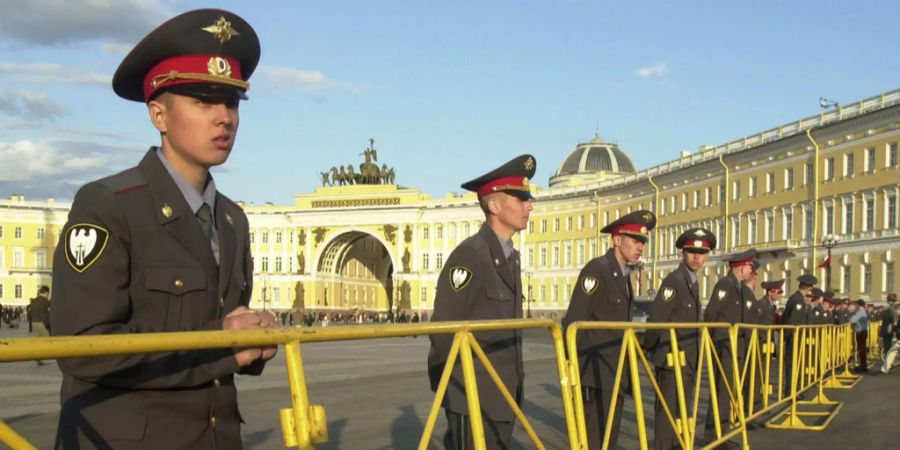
(369, 171)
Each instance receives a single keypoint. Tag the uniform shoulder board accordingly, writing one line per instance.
(84, 243)
(589, 285)
(459, 278)
(721, 293)
(668, 293)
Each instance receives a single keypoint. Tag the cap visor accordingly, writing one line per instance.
(208, 91)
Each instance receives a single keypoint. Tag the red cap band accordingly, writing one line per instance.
(503, 184)
(631, 228)
(696, 243)
(743, 262)
(192, 69)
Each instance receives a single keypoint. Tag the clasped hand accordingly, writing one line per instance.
(243, 318)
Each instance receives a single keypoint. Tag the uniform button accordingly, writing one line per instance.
(179, 283)
(216, 382)
(221, 302)
(212, 421)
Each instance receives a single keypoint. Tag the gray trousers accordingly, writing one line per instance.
(497, 435)
(664, 435)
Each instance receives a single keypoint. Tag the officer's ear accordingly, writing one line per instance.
(158, 109)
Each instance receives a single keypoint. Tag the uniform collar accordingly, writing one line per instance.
(193, 198)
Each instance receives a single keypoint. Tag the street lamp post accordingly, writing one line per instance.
(829, 241)
(528, 297)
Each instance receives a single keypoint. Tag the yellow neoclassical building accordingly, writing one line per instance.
(353, 244)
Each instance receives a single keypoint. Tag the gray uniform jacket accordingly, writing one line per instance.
(795, 310)
(678, 300)
(478, 283)
(602, 293)
(727, 304)
(765, 310)
(133, 259)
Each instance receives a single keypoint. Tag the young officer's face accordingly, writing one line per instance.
(513, 212)
(630, 248)
(694, 261)
(199, 133)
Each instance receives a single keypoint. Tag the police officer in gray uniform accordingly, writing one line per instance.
(677, 301)
(727, 304)
(603, 292)
(814, 312)
(766, 304)
(482, 280)
(157, 248)
(795, 312)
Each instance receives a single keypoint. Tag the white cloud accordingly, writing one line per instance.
(308, 80)
(656, 70)
(44, 73)
(29, 105)
(62, 22)
(41, 169)
(116, 48)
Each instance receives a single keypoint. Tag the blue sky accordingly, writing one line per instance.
(448, 89)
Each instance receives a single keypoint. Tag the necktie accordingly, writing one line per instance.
(204, 215)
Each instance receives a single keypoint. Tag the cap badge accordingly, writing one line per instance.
(699, 233)
(218, 66)
(698, 244)
(529, 163)
(166, 211)
(643, 229)
(222, 30)
(648, 217)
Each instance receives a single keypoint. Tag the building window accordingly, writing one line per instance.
(40, 258)
(684, 201)
(870, 160)
(594, 220)
(581, 222)
(672, 206)
(466, 229)
(848, 216)
(543, 257)
(264, 264)
(735, 231)
(708, 200)
(277, 237)
(438, 231)
(18, 233)
(555, 293)
(426, 230)
(570, 221)
(555, 256)
(265, 237)
(829, 219)
(808, 174)
(721, 194)
(788, 224)
(543, 225)
(662, 205)
(752, 187)
(890, 212)
(770, 182)
(424, 261)
(568, 254)
(530, 257)
(439, 260)
(1, 290)
(530, 227)
(888, 277)
(696, 199)
(829, 169)
(581, 253)
(18, 257)
(845, 279)
(736, 190)
(424, 293)
(866, 286)
(18, 291)
(751, 229)
(808, 225)
(543, 294)
(848, 165)
(868, 214)
(252, 237)
(278, 264)
(40, 233)
(789, 178)
(770, 228)
(556, 224)
(892, 154)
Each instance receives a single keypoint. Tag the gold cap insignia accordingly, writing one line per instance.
(218, 66)
(644, 230)
(222, 30)
(648, 217)
(699, 233)
(166, 211)
(529, 163)
(229, 219)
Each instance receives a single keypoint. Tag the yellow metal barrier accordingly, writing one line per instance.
(631, 352)
(303, 424)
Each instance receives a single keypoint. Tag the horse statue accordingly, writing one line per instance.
(325, 179)
(342, 177)
(369, 173)
(352, 178)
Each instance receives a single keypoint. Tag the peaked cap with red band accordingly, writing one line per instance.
(696, 240)
(745, 258)
(201, 53)
(511, 178)
(637, 224)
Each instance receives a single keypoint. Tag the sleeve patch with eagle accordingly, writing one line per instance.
(722, 293)
(589, 284)
(668, 293)
(84, 244)
(459, 278)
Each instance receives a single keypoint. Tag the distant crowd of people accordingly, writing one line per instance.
(325, 318)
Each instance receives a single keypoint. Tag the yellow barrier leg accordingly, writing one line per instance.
(14, 440)
(566, 386)
(468, 369)
(635, 389)
(441, 391)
